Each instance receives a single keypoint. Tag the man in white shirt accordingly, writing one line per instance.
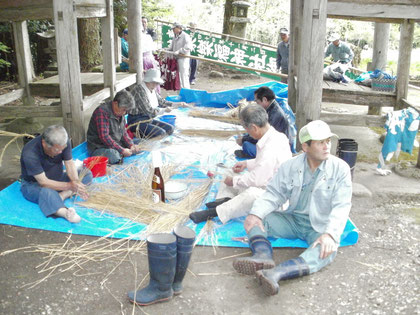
(272, 150)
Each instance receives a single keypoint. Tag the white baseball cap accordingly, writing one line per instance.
(315, 130)
(153, 75)
(333, 37)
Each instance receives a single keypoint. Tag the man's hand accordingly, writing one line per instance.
(167, 109)
(239, 140)
(126, 152)
(229, 181)
(251, 221)
(79, 188)
(239, 167)
(135, 149)
(327, 244)
(181, 104)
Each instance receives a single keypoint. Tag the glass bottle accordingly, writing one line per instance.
(158, 185)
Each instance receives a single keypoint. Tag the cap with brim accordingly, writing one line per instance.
(315, 130)
(177, 25)
(125, 31)
(284, 31)
(153, 75)
(334, 37)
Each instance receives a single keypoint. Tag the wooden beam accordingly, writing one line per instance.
(369, 98)
(108, 48)
(96, 99)
(30, 111)
(311, 62)
(404, 59)
(41, 11)
(296, 11)
(126, 82)
(11, 96)
(365, 19)
(382, 11)
(24, 59)
(69, 69)
(353, 120)
(90, 12)
(134, 40)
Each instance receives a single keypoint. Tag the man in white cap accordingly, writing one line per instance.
(181, 45)
(318, 188)
(339, 50)
(283, 53)
(149, 104)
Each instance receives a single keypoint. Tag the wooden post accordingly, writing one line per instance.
(108, 48)
(134, 38)
(379, 55)
(69, 69)
(404, 58)
(117, 47)
(311, 62)
(24, 59)
(296, 11)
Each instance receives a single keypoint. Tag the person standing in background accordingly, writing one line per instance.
(193, 62)
(283, 53)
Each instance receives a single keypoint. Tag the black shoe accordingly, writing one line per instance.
(204, 215)
(217, 202)
(242, 155)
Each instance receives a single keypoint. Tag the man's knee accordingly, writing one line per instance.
(88, 177)
(47, 193)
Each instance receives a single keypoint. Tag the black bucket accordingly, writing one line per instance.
(347, 150)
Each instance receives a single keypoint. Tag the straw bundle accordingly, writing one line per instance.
(15, 137)
(210, 133)
(205, 115)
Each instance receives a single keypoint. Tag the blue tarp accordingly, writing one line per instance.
(15, 210)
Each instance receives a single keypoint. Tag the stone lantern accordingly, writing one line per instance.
(240, 18)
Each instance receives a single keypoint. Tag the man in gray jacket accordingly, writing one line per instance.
(181, 45)
(318, 188)
(283, 53)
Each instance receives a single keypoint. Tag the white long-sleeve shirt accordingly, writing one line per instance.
(272, 150)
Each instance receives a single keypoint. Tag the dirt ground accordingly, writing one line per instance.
(378, 275)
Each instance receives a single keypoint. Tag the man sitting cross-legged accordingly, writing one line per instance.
(43, 179)
(272, 150)
(318, 187)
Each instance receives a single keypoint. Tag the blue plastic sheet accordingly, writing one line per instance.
(15, 210)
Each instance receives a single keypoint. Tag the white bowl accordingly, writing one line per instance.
(175, 189)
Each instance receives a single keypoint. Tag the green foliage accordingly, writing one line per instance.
(5, 49)
(151, 9)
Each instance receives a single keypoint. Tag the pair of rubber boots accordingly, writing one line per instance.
(262, 265)
(169, 256)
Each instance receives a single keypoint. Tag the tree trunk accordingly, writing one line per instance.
(227, 26)
(89, 43)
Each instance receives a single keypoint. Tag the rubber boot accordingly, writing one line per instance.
(162, 252)
(289, 269)
(217, 202)
(262, 257)
(203, 215)
(185, 238)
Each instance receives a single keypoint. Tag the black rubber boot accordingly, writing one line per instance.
(217, 202)
(203, 215)
(262, 257)
(185, 238)
(162, 252)
(289, 269)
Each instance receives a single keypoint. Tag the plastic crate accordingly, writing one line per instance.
(384, 85)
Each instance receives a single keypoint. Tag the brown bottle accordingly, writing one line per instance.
(158, 186)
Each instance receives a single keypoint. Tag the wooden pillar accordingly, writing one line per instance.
(311, 61)
(134, 38)
(296, 11)
(24, 59)
(69, 69)
(117, 47)
(404, 59)
(108, 47)
(379, 55)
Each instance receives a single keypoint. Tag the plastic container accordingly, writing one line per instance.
(169, 119)
(347, 150)
(97, 165)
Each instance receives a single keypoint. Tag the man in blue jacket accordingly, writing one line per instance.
(266, 98)
(318, 188)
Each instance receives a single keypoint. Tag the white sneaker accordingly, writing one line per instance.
(193, 82)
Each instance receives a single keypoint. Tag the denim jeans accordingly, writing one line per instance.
(150, 129)
(292, 226)
(250, 149)
(48, 199)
